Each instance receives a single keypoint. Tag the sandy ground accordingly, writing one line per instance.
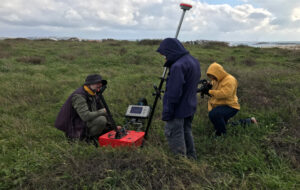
(290, 47)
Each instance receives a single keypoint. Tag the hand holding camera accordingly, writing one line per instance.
(204, 88)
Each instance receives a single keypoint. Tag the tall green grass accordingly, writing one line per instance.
(37, 77)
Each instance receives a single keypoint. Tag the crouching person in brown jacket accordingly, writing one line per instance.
(83, 115)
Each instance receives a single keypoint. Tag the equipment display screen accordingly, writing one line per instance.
(136, 110)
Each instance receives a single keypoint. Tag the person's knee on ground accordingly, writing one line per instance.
(96, 126)
(215, 117)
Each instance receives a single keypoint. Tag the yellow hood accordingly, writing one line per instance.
(217, 70)
(224, 89)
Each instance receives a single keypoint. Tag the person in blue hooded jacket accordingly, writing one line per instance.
(180, 97)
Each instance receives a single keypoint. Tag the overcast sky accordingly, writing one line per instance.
(225, 20)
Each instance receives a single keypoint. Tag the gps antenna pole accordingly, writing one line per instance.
(184, 7)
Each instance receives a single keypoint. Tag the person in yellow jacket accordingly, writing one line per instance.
(223, 102)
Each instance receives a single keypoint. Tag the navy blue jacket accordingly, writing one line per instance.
(180, 98)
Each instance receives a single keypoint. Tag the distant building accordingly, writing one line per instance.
(74, 39)
(53, 39)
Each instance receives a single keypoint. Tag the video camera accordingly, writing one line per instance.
(204, 88)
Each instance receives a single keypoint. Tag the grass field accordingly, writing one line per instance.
(37, 77)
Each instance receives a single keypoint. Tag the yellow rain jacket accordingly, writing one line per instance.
(224, 89)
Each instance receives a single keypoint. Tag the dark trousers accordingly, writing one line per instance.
(219, 116)
(180, 137)
(241, 122)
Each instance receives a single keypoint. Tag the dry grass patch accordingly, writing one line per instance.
(249, 61)
(35, 60)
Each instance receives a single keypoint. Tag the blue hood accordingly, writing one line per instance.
(172, 49)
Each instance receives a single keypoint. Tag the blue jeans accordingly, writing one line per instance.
(178, 132)
(219, 116)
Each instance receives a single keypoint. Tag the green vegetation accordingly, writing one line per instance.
(37, 77)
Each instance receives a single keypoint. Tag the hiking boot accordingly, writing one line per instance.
(253, 120)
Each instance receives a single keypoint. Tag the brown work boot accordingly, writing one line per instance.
(253, 120)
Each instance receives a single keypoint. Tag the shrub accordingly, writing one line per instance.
(68, 57)
(249, 61)
(149, 42)
(35, 60)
